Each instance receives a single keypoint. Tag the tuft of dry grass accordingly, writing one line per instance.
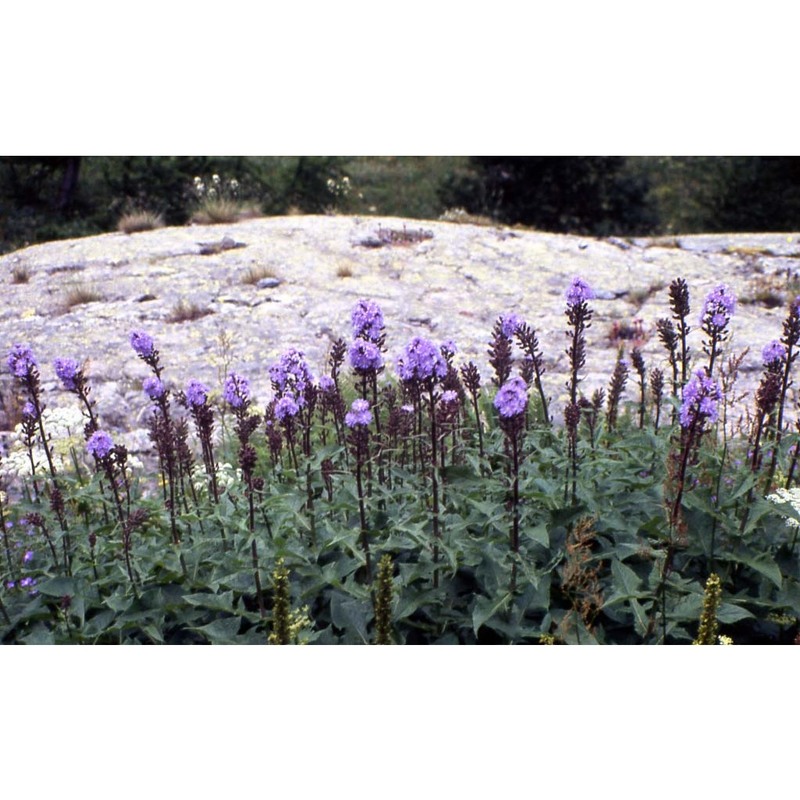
(80, 294)
(463, 217)
(344, 271)
(184, 311)
(255, 274)
(220, 210)
(139, 220)
(20, 274)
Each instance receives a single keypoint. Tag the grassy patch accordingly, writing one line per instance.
(139, 220)
(185, 311)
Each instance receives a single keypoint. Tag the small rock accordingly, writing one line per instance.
(268, 283)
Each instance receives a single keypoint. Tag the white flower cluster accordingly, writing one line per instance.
(790, 496)
(340, 188)
(64, 428)
(216, 188)
(227, 477)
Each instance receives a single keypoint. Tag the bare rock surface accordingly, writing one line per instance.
(260, 286)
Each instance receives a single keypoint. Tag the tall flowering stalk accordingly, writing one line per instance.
(790, 340)
(712, 598)
(421, 368)
(24, 367)
(529, 342)
(358, 420)
(579, 316)
(195, 399)
(471, 378)
(511, 402)
(715, 317)
(236, 393)
(383, 601)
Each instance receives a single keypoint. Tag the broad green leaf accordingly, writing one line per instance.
(539, 534)
(58, 587)
(729, 613)
(221, 631)
(486, 608)
(215, 602)
(625, 578)
(349, 613)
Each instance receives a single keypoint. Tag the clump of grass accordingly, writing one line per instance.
(138, 220)
(463, 217)
(256, 274)
(20, 274)
(344, 271)
(219, 202)
(184, 311)
(80, 294)
(771, 291)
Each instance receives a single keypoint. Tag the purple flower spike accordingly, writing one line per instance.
(718, 308)
(510, 323)
(421, 360)
(29, 410)
(196, 393)
(67, 371)
(512, 398)
(701, 397)
(579, 292)
(367, 319)
(153, 388)
(142, 343)
(21, 360)
(365, 355)
(326, 384)
(99, 445)
(359, 414)
(236, 390)
(285, 408)
(773, 352)
(449, 398)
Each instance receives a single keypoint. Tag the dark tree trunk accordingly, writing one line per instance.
(69, 182)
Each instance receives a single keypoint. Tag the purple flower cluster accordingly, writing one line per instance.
(21, 360)
(421, 361)
(579, 292)
(326, 384)
(510, 323)
(359, 414)
(99, 445)
(367, 319)
(449, 398)
(67, 371)
(142, 343)
(365, 356)
(701, 397)
(153, 388)
(196, 393)
(236, 390)
(718, 308)
(29, 410)
(286, 407)
(773, 352)
(511, 399)
(291, 374)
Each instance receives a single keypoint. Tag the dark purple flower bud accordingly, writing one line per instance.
(365, 355)
(359, 414)
(196, 393)
(153, 388)
(772, 352)
(142, 343)
(512, 398)
(21, 360)
(285, 408)
(367, 319)
(448, 348)
(67, 371)
(579, 292)
(236, 390)
(100, 444)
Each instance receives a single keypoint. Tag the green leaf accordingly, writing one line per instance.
(349, 614)
(485, 608)
(626, 578)
(58, 587)
(221, 631)
(215, 602)
(539, 534)
(764, 564)
(729, 613)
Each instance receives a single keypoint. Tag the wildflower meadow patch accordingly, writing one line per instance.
(396, 495)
